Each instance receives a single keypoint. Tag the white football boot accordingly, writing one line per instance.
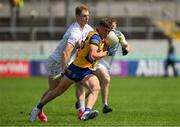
(89, 115)
(34, 114)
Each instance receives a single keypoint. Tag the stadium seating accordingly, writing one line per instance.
(44, 20)
(41, 29)
(169, 28)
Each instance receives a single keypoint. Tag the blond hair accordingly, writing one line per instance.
(79, 9)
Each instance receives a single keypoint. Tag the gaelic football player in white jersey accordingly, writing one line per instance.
(58, 60)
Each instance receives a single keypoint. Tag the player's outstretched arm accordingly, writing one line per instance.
(66, 55)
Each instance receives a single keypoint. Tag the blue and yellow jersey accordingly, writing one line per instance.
(82, 60)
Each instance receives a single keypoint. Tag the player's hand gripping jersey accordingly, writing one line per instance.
(83, 59)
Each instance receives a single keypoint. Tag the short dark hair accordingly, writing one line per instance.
(79, 9)
(106, 22)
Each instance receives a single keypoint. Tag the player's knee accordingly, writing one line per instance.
(96, 88)
(106, 80)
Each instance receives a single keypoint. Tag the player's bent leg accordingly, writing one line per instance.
(54, 78)
(54, 72)
(87, 93)
(105, 82)
(105, 87)
(52, 85)
(59, 90)
(92, 83)
(80, 95)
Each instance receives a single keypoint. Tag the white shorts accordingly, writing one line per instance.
(53, 67)
(103, 66)
(105, 63)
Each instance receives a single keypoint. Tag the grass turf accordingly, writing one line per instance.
(135, 101)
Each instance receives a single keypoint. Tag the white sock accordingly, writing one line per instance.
(104, 104)
(82, 105)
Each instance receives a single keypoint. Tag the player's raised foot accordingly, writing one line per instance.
(33, 115)
(89, 115)
(42, 117)
(106, 109)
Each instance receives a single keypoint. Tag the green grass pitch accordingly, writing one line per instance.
(135, 101)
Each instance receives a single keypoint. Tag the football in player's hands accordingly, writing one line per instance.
(112, 39)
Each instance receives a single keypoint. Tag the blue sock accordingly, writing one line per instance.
(88, 109)
(40, 106)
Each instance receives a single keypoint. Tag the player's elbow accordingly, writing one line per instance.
(65, 54)
(91, 58)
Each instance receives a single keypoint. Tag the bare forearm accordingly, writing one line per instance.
(66, 55)
(99, 55)
(127, 47)
(65, 58)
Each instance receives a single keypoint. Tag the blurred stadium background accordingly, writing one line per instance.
(30, 30)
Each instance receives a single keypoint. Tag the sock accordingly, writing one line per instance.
(81, 105)
(105, 104)
(40, 105)
(87, 109)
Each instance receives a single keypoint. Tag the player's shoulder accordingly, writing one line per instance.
(74, 31)
(75, 26)
(93, 34)
(96, 36)
(88, 27)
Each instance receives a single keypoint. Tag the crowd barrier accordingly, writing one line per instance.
(26, 68)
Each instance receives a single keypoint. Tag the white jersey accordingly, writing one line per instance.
(73, 35)
(106, 62)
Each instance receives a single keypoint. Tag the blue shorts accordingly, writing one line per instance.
(77, 73)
